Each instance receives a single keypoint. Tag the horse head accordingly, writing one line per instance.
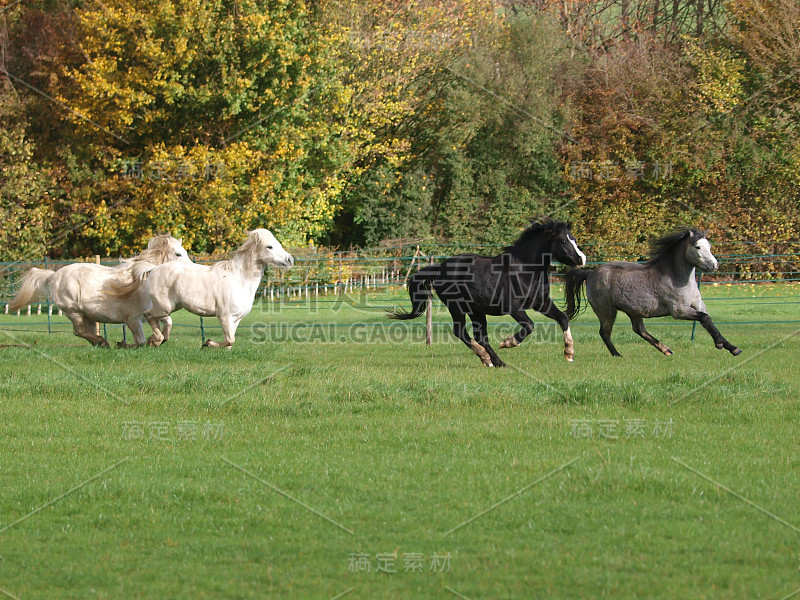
(698, 251)
(266, 249)
(160, 249)
(564, 247)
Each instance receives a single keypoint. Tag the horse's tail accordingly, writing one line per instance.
(575, 281)
(33, 284)
(419, 289)
(124, 290)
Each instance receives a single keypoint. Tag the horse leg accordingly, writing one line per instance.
(460, 331)
(135, 325)
(229, 325)
(638, 326)
(157, 338)
(691, 314)
(521, 317)
(166, 328)
(607, 319)
(552, 312)
(85, 328)
(482, 338)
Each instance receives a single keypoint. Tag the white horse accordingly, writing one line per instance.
(225, 290)
(76, 290)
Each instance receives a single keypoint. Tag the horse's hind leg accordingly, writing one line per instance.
(460, 331)
(521, 317)
(638, 326)
(607, 319)
(86, 328)
(482, 338)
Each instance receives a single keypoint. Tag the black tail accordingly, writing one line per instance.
(419, 289)
(575, 281)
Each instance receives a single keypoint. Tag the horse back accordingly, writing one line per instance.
(633, 288)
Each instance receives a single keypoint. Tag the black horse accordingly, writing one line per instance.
(508, 284)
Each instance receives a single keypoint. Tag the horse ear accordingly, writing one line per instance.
(569, 225)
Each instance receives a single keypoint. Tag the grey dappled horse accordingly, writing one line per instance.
(663, 286)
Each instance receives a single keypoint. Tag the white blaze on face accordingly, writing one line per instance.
(577, 250)
(707, 260)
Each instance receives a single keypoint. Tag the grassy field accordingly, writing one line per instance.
(352, 461)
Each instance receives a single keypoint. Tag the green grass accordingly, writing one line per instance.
(402, 444)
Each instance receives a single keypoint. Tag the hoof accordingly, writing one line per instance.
(736, 351)
(720, 346)
(668, 352)
(509, 342)
(206, 344)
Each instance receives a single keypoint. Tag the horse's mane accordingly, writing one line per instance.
(537, 227)
(158, 251)
(665, 246)
(250, 245)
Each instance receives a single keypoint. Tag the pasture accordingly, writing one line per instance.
(351, 460)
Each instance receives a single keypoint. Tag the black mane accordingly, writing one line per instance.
(535, 229)
(665, 246)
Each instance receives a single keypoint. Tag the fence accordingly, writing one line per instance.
(320, 274)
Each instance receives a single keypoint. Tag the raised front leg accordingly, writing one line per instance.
(691, 314)
(552, 312)
(479, 331)
(229, 325)
(638, 326)
(521, 317)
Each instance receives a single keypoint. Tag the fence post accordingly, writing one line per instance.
(429, 314)
(97, 326)
(49, 306)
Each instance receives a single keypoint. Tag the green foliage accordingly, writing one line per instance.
(25, 196)
(349, 123)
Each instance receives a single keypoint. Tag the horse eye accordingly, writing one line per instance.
(697, 247)
(269, 247)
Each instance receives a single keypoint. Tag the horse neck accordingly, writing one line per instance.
(533, 253)
(681, 270)
(246, 265)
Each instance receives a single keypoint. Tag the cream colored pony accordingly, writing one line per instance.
(76, 289)
(225, 289)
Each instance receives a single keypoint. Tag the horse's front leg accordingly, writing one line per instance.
(135, 325)
(552, 312)
(521, 317)
(691, 314)
(167, 327)
(229, 325)
(157, 338)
